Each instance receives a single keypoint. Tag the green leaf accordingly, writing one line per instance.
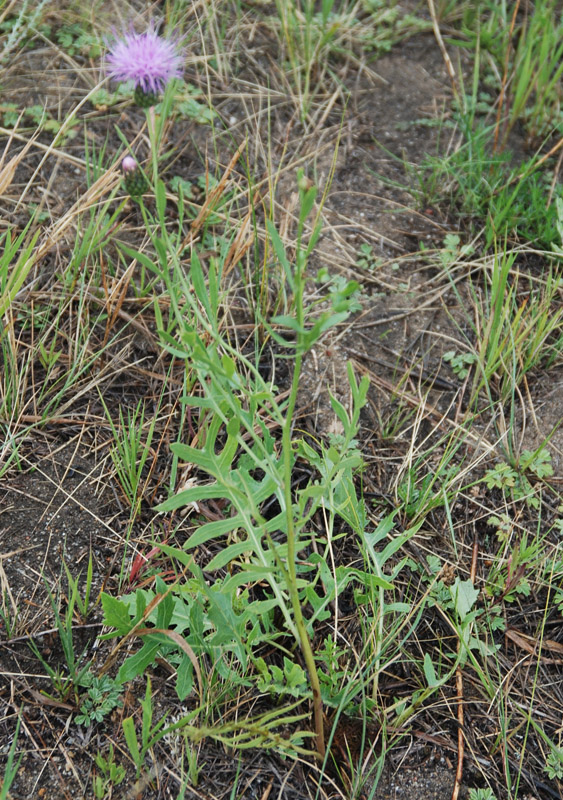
(213, 286)
(135, 665)
(340, 412)
(193, 455)
(147, 706)
(160, 193)
(539, 463)
(464, 596)
(165, 608)
(279, 250)
(209, 492)
(288, 322)
(12, 275)
(140, 257)
(430, 672)
(307, 196)
(230, 449)
(116, 614)
(314, 238)
(229, 626)
(228, 365)
(128, 726)
(161, 248)
(198, 282)
(251, 574)
(185, 678)
(229, 554)
(211, 530)
(186, 559)
(359, 391)
(322, 324)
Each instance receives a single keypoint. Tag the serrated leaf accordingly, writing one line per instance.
(539, 463)
(116, 613)
(229, 626)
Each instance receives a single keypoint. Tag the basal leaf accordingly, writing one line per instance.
(160, 194)
(184, 678)
(140, 257)
(128, 726)
(464, 595)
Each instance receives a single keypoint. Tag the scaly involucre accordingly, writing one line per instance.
(147, 59)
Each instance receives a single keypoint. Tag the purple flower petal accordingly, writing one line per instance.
(129, 164)
(146, 59)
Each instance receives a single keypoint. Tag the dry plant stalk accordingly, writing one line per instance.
(7, 171)
(442, 46)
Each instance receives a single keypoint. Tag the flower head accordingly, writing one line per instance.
(147, 59)
(135, 182)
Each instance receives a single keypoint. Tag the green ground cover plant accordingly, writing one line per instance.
(258, 564)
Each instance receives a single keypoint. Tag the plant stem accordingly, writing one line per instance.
(151, 126)
(304, 640)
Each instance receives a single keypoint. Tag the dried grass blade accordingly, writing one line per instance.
(7, 172)
(183, 645)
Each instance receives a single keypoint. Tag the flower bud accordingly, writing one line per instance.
(133, 179)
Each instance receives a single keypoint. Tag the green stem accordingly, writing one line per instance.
(304, 640)
(151, 126)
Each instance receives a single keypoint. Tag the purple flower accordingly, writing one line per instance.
(146, 59)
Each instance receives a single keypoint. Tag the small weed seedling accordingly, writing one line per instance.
(131, 451)
(67, 683)
(366, 259)
(460, 363)
(453, 250)
(150, 733)
(513, 479)
(482, 794)
(111, 774)
(103, 694)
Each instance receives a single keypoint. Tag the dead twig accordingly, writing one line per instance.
(442, 46)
